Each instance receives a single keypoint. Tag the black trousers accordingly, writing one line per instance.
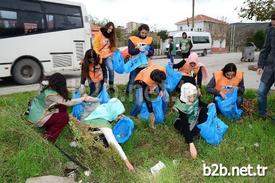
(182, 125)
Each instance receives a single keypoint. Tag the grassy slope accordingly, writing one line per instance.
(23, 153)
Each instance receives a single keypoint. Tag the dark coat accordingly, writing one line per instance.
(267, 55)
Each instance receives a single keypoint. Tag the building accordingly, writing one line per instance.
(131, 26)
(217, 28)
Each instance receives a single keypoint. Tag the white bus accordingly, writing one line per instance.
(201, 41)
(41, 36)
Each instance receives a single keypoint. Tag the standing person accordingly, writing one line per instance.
(193, 71)
(104, 45)
(49, 108)
(266, 67)
(91, 70)
(192, 111)
(185, 46)
(172, 50)
(137, 44)
(147, 81)
(225, 80)
(102, 117)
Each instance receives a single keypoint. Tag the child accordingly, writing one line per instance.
(225, 80)
(102, 117)
(191, 112)
(91, 70)
(49, 109)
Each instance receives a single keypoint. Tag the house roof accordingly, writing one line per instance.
(200, 18)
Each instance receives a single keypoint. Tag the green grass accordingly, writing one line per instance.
(24, 154)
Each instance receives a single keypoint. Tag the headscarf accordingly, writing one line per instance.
(193, 57)
(109, 111)
(186, 90)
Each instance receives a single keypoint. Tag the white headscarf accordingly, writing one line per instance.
(186, 90)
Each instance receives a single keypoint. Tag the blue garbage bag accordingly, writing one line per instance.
(123, 129)
(213, 129)
(78, 109)
(157, 108)
(135, 62)
(103, 95)
(172, 78)
(118, 62)
(228, 106)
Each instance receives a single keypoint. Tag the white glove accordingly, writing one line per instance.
(82, 89)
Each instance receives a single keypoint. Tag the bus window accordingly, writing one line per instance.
(31, 22)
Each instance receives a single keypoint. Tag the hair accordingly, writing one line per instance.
(184, 33)
(230, 67)
(158, 76)
(90, 58)
(143, 27)
(57, 82)
(112, 34)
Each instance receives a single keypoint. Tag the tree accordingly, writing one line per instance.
(163, 34)
(259, 9)
(259, 38)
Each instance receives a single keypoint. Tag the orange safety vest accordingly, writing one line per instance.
(95, 73)
(141, 42)
(104, 49)
(144, 75)
(222, 81)
(186, 70)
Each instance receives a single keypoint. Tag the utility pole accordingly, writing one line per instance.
(193, 12)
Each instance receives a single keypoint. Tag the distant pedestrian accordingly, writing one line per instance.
(172, 50)
(185, 46)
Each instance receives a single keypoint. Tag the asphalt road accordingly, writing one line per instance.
(212, 62)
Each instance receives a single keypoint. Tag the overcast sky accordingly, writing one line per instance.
(163, 13)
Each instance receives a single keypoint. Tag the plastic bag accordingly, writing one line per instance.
(135, 62)
(157, 108)
(213, 129)
(103, 95)
(123, 129)
(228, 106)
(172, 79)
(118, 61)
(78, 109)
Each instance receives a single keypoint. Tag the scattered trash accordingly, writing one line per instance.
(175, 162)
(73, 144)
(256, 144)
(71, 165)
(87, 173)
(155, 169)
(250, 126)
(240, 148)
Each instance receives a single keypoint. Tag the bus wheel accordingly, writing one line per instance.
(204, 53)
(26, 71)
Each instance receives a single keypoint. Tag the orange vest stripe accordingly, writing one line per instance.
(222, 81)
(186, 69)
(136, 40)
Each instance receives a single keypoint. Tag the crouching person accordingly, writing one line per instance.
(149, 80)
(191, 111)
(49, 108)
(102, 117)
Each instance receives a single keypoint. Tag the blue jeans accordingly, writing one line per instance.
(172, 58)
(132, 77)
(108, 63)
(139, 101)
(93, 88)
(262, 95)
